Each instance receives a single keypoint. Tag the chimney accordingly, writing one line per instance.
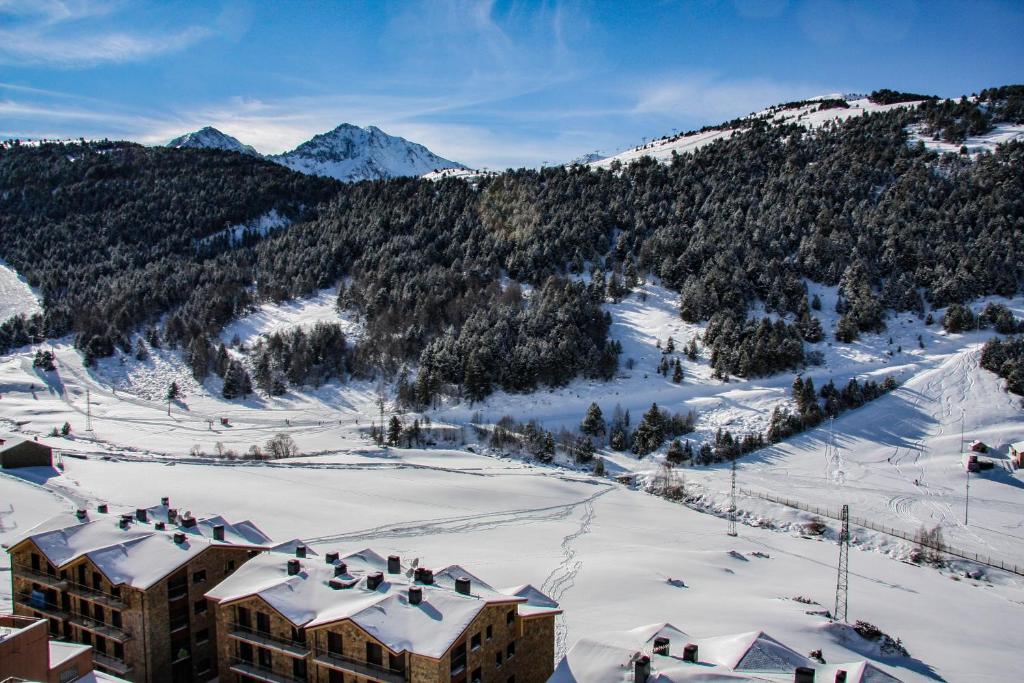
(80, 514)
(218, 532)
(179, 537)
(293, 567)
(331, 558)
(841, 676)
(160, 526)
(102, 508)
(642, 669)
(337, 585)
(142, 514)
(803, 674)
(125, 521)
(189, 522)
(424, 575)
(690, 653)
(373, 581)
(300, 551)
(165, 501)
(394, 564)
(662, 646)
(340, 568)
(415, 595)
(462, 585)
(172, 515)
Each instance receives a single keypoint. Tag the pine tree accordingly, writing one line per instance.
(691, 349)
(650, 432)
(394, 431)
(172, 392)
(670, 345)
(593, 423)
(140, 350)
(676, 454)
(677, 373)
(584, 450)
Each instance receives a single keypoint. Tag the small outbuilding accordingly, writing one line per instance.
(19, 452)
(1017, 454)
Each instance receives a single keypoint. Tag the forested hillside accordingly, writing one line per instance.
(439, 269)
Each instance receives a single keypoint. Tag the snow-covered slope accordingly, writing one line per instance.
(211, 138)
(811, 114)
(350, 153)
(16, 297)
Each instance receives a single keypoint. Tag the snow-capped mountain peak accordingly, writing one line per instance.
(350, 153)
(211, 138)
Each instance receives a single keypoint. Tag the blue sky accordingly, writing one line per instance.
(490, 84)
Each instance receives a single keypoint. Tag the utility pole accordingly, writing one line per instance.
(732, 501)
(967, 469)
(88, 412)
(843, 578)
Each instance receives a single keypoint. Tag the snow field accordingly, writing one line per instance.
(16, 297)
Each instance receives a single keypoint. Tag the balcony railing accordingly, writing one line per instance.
(43, 606)
(359, 667)
(50, 580)
(102, 628)
(290, 647)
(262, 673)
(117, 666)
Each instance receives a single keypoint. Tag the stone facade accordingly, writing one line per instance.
(498, 645)
(164, 634)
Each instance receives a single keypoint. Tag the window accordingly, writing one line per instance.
(499, 659)
(510, 651)
(97, 581)
(199, 576)
(396, 663)
(202, 636)
(97, 614)
(116, 591)
(245, 652)
(101, 645)
(333, 643)
(118, 650)
(203, 667)
(229, 567)
(69, 675)
(86, 637)
(266, 659)
(263, 622)
(298, 635)
(490, 632)
(299, 668)
(199, 606)
(115, 619)
(335, 676)
(244, 618)
(477, 676)
(511, 679)
(459, 659)
(510, 617)
(474, 643)
(35, 562)
(374, 654)
(81, 573)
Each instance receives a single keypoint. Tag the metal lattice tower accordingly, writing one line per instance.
(732, 502)
(843, 579)
(88, 412)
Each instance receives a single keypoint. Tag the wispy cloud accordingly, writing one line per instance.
(710, 97)
(60, 34)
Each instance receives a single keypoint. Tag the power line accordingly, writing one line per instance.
(843, 578)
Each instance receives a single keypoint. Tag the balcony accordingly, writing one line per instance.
(253, 670)
(289, 647)
(48, 580)
(95, 595)
(359, 667)
(115, 666)
(100, 628)
(43, 606)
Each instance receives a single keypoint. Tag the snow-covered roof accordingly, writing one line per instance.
(138, 555)
(752, 655)
(61, 652)
(316, 596)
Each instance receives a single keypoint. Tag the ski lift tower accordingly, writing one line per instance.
(732, 501)
(843, 578)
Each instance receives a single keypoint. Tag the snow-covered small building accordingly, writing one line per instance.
(16, 451)
(662, 653)
(132, 585)
(27, 653)
(292, 616)
(1017, 454)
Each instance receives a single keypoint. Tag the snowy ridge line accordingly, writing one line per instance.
(462, 523)
(889, 531)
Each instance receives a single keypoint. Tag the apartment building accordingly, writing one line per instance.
(132, 585)
(303, 618)
(28, 654)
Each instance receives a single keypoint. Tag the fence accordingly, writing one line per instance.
(868, 524)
